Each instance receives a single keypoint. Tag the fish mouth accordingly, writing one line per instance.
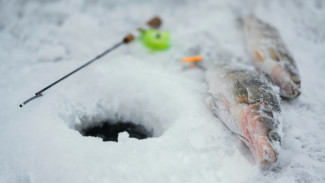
(289, 89)
(289, 86)
(264, 153)
(262, 150)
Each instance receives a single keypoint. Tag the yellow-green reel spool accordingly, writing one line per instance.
(155, 39)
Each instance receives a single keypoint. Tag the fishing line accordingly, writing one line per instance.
(154, 22)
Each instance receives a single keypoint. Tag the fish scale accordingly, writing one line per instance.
(271, 56)
(249, 106)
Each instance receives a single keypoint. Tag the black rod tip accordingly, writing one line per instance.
(20, 105)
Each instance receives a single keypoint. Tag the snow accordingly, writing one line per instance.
(41, 41)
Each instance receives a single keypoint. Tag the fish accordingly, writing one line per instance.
(271, 56)
(249, 105)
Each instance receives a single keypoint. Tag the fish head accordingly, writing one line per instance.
(289, 83)
(260, 134)
(265, 152)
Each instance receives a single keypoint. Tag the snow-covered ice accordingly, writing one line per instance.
(41, 41)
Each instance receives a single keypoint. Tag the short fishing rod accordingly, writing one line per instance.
(154, 23)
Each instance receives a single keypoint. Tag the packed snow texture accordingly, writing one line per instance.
(40, 41)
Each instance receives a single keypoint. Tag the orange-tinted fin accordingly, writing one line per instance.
(259, 56)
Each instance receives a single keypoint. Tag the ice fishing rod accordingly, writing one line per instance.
(155, 22)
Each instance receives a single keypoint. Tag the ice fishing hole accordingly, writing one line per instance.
(109, 130)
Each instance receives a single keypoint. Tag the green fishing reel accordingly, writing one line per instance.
(155, 39)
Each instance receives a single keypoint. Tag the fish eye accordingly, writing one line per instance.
(274, 136)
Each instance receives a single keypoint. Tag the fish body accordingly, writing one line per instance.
(249, 106)
(271, 56)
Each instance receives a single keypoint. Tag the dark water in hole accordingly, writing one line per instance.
(109, 131)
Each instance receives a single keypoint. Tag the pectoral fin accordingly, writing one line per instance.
(240, 92)
(258, 56)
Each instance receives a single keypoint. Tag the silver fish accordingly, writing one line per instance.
(271, 56)
(249, 106)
